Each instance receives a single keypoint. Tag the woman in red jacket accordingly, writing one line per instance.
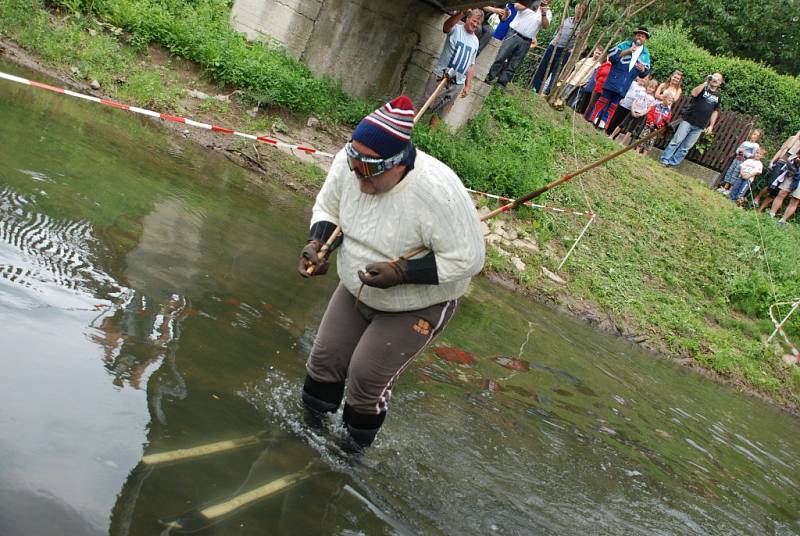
(599, 79)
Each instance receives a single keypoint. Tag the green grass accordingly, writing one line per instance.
(88, 50)
(200, 31)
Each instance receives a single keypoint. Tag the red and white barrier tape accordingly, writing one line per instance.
(166, 117)
(779, 326)
(588, 214)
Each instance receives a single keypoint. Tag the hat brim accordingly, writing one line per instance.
(644, 32)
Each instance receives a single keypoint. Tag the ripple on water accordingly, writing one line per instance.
(51, 259)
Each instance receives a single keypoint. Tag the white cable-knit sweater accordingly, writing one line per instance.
(429, 207)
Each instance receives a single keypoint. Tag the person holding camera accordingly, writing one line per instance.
(699, 117)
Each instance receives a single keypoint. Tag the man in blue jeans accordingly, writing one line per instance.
(700, 116)
(562, 44)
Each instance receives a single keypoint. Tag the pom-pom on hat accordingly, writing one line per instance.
(387, 130)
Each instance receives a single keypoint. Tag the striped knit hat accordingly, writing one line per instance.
(387, 130)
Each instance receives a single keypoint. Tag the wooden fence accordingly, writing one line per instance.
(731, 130)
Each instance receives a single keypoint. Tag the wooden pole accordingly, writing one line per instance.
(445, 80)
(536, 193)
(570, 176)
(323, 251)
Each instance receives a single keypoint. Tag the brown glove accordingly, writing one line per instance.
(309, 258)
(385, 274)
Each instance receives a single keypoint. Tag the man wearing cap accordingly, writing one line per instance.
(629, 59)
(699, 116)
(388, 198)
(520, 39)
(458, 56)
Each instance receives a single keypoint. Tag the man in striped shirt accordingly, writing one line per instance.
(389, 199)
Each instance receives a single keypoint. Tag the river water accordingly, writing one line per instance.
(148, 303)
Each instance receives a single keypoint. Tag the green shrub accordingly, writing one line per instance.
(201, 32)
(750, 87)
(506, 149)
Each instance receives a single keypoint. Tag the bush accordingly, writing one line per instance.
(201, 32)
(750, 87)
(506, 149)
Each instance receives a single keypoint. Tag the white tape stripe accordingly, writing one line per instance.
(81, 96)
(528, 203)
(150, 113)
(17, 79)
(197, 124)
(142, 111)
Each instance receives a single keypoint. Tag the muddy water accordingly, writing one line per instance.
(148, 303)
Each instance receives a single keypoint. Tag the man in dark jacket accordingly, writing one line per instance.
(629, 59)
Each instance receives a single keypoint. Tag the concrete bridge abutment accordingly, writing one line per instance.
(376, 49)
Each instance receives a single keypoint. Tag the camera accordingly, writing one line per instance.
(709, 78)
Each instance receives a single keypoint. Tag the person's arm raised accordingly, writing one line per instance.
(698, 89)
(450, 23)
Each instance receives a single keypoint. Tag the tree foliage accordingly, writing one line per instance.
(761, 30)
(750, 87)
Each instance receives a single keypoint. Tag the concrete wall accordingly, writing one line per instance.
(377, 49)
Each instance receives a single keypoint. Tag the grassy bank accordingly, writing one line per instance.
(667, 259)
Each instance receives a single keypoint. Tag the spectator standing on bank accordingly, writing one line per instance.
(789, 187)
(671, 87)
(777, 166)
(658, 115)
(460, 50)
(748, 170)
(486, 31)
(746, 150)
(636, 91)
(700, 116)
(600, 76)
(580, 75)
(635, 122)
(522, 33)
(502, 29)
(629, 59)
(560, 49)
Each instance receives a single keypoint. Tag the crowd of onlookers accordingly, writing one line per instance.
(614, 91)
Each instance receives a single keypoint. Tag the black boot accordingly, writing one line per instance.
(320, 399)
(361, 427)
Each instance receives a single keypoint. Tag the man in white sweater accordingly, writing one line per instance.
(388, 198)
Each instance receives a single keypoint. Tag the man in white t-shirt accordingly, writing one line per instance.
(389, 199)
(521, 38)
(460, 50)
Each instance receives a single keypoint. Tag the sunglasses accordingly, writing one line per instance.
(369, 166)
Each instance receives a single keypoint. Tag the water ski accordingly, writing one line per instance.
(199, 451)
(198, 519)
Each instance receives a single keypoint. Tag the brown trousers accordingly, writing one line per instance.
(369, 349)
